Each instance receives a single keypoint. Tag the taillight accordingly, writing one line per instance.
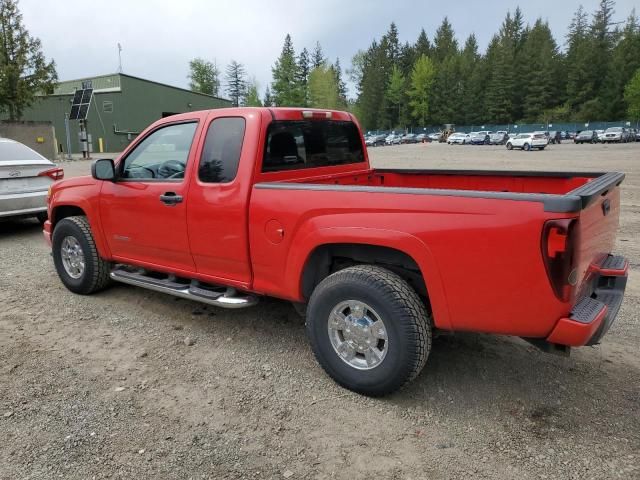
(315, 115)
(558, 252)
(53, 173)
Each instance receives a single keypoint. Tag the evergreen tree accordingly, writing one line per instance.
(540, 89)
(252, 97)
(625, 61)
(445, 43)
(318, 59)
(580, 87)
(303, 75)
(422, 46)
(285, 87)
(372, 87)
(236, 82)
(500, 87)
(204, 77)
(24, 71)
(471, 87)
(632, 96)
(268, 98)
(342, 86)
(420, 92)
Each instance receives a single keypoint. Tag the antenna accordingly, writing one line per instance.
(119, 58)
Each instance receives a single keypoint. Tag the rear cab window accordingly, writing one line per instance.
(304, 144)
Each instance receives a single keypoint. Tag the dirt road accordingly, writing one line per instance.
(135, 384)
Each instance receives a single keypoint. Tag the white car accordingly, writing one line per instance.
(527, 141)
(460, 138)
(25, 177)
(393, 139)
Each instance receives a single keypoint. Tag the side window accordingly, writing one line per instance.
(162, 155)
(221, 151)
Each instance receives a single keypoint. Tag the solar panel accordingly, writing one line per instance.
(80, 104)
(77, 98)
(74, 112)
(86, 96)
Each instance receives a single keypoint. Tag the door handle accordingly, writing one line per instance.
(171, 199)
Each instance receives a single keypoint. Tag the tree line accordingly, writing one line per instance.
(307, 79)
(523, 75)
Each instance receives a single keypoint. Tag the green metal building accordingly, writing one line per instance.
(122, 107)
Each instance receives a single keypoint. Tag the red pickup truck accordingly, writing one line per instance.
(225, 206)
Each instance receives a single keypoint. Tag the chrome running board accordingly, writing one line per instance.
(225, 297)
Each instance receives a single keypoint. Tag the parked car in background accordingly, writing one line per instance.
(479, 138)
(527, 141)
(554, 137)
(435, 136)
(409, 138)
(586, 136)
(376, 140)
(25, 178)
(498, 138)
(393, 139)
(423, 138)
(459, 138)
(616, 134)
(599, 136)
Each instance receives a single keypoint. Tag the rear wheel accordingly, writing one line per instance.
(76, 257)
(526, 147)
(369, 329)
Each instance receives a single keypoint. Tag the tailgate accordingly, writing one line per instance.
(597, 223)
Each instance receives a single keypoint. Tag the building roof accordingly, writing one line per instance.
(111, 83)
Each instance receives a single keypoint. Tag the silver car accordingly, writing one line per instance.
(25, 177)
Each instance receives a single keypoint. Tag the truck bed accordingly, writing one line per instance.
(558, 191)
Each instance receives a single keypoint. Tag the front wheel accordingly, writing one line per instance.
(509, 146)
(526, 147)
(76, 257)
(369, 330)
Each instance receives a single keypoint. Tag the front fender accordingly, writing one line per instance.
(82, 193)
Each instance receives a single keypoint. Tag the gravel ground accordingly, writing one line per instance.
(134, 384)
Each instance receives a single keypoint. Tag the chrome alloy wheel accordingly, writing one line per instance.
(72, 257)
(358, 335)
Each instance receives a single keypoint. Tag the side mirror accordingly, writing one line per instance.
(103, 169)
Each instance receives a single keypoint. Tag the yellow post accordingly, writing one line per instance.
(100, 145)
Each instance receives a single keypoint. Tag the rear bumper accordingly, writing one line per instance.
(593, 315)
(16, 204)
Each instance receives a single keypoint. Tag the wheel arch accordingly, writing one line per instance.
(400, 252)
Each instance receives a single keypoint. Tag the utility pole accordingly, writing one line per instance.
(119, 58)
(66, 127)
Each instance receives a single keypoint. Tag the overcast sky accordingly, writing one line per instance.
(160, 37)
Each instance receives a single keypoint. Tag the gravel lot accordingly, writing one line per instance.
(135, 384)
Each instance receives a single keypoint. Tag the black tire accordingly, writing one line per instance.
(95, 276)
(403, 313)
(526, 147)
(509, 146)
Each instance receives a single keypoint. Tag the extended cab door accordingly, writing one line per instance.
(144, 211)
(217, 213)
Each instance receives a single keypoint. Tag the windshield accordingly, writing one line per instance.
(293, 145)
(586, 132)
(614, 129)
(17, 151)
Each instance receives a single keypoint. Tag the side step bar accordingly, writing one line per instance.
(225, 297)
